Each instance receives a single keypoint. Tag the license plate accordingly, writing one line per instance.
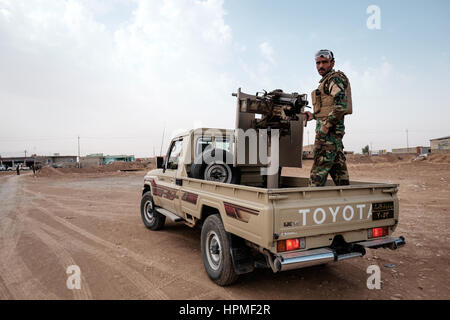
(382, 210)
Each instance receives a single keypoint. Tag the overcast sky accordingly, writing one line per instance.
(117, 72)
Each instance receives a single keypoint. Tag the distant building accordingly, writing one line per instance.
(379, 152)
(57, 161)
(92, 160)
(412, 150)
(440, 145)
(124, 158)
(98, 159)
(14, 161)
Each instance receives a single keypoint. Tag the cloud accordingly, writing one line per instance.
(267, 52)
(77, 75)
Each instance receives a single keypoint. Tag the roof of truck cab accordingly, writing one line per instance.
(187, 133)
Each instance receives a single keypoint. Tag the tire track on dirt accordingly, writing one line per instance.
(163, 268)
(138, 280)
(5, 294)
(99, 202)
(64, 208)
(63, 256)
(17, 278)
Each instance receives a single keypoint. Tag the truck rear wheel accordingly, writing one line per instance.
(152, 219)
(216, 253)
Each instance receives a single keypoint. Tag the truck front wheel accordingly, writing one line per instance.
(152, 219)
(216, 252)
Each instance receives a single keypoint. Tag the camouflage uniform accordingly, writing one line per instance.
(329, 155)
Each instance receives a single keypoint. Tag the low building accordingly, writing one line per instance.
(378, 152)
(412, 150)
(12, 162)
(98, 159)
(92, 160)
(57, 161)
(440, 145)
(124, 158)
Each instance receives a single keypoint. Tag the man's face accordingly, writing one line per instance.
(324, 65)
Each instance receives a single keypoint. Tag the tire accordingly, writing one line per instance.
(216, 253)
(152, 219)
(210, 168)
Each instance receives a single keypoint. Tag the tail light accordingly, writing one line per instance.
(378, 232)
(291, 244)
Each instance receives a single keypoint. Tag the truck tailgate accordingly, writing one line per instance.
(309, 212)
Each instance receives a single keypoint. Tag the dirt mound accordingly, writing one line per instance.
(359, 158)
(113, 167)
(439, 158)
(49, 172)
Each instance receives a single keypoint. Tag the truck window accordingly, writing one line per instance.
(202, 143)
(222, 143)
(174, 155)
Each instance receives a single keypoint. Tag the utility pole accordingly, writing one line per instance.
(162, 142)
(407, 141)
(25, 160)
(79, 159)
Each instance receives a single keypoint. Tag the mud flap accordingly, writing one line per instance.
(241, 256)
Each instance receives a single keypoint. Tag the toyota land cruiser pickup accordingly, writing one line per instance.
(246, 224)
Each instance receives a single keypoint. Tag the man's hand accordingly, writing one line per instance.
(309, 116)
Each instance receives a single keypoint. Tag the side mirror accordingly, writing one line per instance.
(160, 162)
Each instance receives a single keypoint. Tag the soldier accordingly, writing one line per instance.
(332, 101)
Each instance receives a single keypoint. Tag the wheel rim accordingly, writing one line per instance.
(148, 212)
(218, 172)
(213, 250)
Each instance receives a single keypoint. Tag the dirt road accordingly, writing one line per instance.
(93, 221)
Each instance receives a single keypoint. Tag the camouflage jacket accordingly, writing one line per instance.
(335, 119)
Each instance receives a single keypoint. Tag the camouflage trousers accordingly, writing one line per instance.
(329, 158)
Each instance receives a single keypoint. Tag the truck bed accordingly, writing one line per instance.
(263, 216)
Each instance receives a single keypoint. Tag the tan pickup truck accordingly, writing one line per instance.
(247, 225)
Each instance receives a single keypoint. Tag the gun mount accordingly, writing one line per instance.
(276, 109)
(269, 111)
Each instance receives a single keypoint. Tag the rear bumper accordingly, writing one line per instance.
(391, 243)
(297, 260)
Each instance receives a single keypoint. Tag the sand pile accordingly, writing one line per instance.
(439, 158)
(113, 167)
(49, 172)
(385, 158)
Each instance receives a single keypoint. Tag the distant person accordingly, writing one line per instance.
(332, 101)
(34, 170)
(18, 170)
